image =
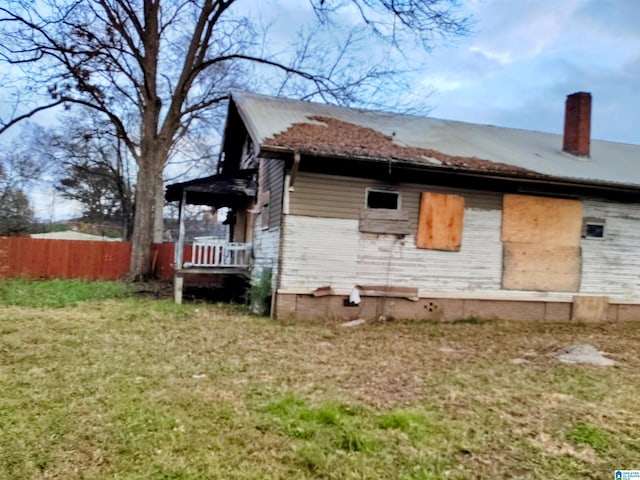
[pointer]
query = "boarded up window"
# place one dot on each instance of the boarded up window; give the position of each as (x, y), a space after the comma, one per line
(440, 221)
(541, 243)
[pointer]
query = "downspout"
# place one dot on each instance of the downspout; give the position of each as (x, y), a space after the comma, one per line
(294, 170)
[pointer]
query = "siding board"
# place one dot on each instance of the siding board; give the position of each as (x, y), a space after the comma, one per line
(266, 241)
(332, 196)
(322, 251)
(322, 245)
(611, 265)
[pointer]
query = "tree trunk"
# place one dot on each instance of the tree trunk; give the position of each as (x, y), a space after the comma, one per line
(158, 209)
(143, 220)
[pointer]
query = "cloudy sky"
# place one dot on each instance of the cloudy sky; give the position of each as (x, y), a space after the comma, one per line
(525, 56)
(517, 66)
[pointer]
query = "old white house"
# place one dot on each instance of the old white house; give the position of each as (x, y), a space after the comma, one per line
(361, 214)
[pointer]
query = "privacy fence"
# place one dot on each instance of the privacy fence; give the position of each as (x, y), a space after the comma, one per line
(37, 258)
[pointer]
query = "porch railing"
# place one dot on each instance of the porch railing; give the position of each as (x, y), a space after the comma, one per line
(215, 252)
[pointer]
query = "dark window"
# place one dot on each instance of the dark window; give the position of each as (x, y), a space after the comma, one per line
(383, 199)
(593, 228)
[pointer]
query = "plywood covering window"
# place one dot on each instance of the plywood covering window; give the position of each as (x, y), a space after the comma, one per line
(440, 221)
(541, 240)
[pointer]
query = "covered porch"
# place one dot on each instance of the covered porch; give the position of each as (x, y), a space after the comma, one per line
(212, 255)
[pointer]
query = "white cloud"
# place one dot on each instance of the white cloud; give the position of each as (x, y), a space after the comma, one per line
(526, 56)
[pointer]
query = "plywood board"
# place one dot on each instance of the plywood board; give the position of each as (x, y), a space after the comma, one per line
(548, 221)
(546, 268)
(440, 222)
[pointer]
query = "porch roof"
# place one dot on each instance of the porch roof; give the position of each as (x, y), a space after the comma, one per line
(220, 190)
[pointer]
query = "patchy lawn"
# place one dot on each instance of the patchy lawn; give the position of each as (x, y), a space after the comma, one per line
(135, 388)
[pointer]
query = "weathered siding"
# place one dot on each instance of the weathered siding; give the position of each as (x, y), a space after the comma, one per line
(611, 265)
(266, 241)
(322, 251)
(322, 245)
(273, 181)
(331, 196)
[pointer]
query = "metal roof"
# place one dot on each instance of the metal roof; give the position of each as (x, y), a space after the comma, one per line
(268, 119)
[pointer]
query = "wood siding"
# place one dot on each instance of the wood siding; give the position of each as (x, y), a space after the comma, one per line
(272, 181)
(611, 265)
(331, 196)
(322, 245)
(323, 251)
(266, 241)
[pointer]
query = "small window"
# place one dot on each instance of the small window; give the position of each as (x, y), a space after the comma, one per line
(383, 199)
(593, 228)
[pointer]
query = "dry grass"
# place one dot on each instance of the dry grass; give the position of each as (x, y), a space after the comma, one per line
(146, 389)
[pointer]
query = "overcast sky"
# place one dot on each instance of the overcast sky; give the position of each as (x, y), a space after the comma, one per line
(527, 55)
(519, 63)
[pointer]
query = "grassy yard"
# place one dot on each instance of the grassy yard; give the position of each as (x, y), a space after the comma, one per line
(134, 388)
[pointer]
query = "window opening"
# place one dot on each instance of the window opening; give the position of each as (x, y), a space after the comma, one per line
(593, 228)
(383, 199)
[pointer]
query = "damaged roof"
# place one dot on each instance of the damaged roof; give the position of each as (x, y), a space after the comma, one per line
(278, 124)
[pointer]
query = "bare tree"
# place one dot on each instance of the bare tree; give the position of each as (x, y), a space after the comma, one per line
(90, 165)
(156, 69)
(18, 170)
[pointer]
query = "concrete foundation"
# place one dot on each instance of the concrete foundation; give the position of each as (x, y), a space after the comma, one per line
(334, 308)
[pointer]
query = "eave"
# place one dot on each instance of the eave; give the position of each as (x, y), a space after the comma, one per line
(405, 170)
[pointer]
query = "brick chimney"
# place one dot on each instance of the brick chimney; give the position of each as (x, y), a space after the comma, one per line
(577, 124)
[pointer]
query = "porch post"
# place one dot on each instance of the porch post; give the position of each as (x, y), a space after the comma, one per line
(179, 253)
(178, 279)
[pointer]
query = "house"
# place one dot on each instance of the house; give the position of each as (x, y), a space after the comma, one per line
(364, 214)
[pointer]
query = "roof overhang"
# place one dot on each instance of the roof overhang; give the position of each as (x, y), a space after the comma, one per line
(343, 137)
(216, 191)
(411, 171)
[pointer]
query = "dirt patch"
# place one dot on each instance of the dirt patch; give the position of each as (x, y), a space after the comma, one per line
(584, 353)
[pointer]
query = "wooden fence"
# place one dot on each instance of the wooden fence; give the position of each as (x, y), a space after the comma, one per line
(38, 258)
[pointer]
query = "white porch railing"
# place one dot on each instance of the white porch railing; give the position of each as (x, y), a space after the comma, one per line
(214, 252)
